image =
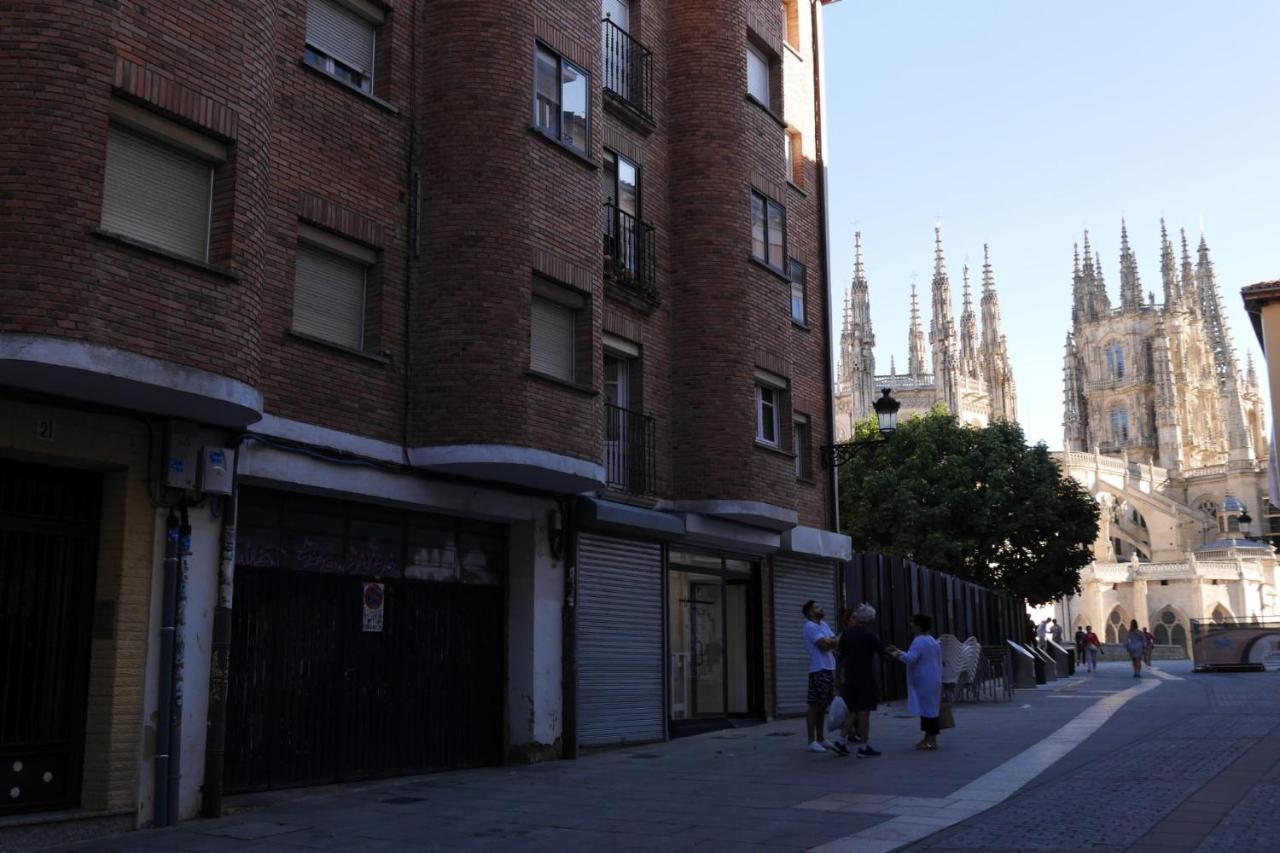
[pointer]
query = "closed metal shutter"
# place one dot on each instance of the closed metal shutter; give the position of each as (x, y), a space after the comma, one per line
(794, 583)
(157, 194)
(328, 297)
(340, 33)
(551, 343)
(620, 665)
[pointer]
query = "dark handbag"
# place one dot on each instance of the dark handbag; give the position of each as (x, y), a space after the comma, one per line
(946, 719)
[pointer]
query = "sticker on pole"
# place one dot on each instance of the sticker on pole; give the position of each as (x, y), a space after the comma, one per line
(375, 596)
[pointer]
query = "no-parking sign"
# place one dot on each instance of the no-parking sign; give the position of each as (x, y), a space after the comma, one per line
(375, 596)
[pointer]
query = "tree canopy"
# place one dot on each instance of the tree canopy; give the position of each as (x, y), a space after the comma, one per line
(975, 502)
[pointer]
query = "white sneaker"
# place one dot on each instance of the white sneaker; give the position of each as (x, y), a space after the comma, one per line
(826, 744)
(816, 747)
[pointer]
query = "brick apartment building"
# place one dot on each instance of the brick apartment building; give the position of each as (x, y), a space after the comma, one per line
(399, 385)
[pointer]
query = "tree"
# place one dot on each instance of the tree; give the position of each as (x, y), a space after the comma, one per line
(977, 503)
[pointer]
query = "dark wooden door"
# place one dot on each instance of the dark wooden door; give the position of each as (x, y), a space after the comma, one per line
(314, 698)
(48, 566)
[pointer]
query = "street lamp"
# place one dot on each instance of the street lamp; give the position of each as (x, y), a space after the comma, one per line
(886, 409)
(887, 412)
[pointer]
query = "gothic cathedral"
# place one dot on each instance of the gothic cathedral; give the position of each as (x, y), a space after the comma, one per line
(966, 371)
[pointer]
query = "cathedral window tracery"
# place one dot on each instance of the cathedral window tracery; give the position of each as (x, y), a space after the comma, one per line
(1119, 424)
(1115, 361)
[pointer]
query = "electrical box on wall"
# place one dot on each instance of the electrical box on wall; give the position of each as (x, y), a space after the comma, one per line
(217, 465)
(181, 456)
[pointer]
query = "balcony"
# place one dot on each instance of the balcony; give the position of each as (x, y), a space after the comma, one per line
(629, 255)
(628, 74)
(629, 459)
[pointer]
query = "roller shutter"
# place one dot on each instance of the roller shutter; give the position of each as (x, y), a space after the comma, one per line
(619, 642)
(794, 583)
(328, 297)
(157, 194)
(339, 32)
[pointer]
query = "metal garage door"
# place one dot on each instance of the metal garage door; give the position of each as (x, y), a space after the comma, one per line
(794, 583)
(620, 665)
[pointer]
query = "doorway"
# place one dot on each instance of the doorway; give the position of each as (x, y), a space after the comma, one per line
(714, 662)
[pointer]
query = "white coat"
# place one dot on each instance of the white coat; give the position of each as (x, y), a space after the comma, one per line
(924, 676)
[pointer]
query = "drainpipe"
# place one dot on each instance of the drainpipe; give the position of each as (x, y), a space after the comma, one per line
(168, 608)
(215, 747)
(824, 249)
(569, 632)
(179, 654)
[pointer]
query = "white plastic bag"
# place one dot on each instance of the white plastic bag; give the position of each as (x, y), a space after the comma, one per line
(836, 714)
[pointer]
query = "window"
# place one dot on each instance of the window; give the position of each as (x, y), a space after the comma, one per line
(330, 278)
(797, 274)
(341, 35)
(767, 404)
(793, 157)
(551, 344)
(768, 227)
(157, 193)
(1119, 424)
(560, 104)
(1115, 361)
(801, 446)
(623, 237)
(759, 82)
(791, 18)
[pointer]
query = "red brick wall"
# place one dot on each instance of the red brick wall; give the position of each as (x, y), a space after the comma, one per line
(500, 204)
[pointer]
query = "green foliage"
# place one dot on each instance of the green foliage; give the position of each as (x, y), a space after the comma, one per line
(978, 503)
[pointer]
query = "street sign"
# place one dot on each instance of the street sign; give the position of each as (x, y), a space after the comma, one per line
(375, 596)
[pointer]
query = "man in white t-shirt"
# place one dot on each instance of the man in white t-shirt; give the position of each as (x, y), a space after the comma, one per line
(819, 640)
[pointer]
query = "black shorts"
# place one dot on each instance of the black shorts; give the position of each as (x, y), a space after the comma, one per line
(822, 687)
(859, 695)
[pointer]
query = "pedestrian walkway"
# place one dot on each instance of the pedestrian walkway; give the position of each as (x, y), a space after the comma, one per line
(737, 790)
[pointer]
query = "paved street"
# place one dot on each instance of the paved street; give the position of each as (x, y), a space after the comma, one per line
(1177, 762)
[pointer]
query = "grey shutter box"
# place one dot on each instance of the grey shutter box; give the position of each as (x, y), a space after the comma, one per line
(551, 339)
(328, 297)
(621, 670)
(341, 33)
(156, 194)
(794, 583)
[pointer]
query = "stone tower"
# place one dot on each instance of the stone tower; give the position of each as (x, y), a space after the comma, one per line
(855, 379)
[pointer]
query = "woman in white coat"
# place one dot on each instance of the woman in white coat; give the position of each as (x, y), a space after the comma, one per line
(924, 679)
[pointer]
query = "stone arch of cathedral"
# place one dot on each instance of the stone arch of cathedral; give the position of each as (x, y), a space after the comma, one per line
(1171, 627)
(1221, 615)
(1117, 625)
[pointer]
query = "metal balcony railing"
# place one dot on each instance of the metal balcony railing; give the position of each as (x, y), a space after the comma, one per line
(628, 252)
(630, 462)
(628, 68)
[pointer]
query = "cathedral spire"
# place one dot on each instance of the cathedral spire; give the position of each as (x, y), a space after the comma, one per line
(1169, 272)
(915, 339)
(1211, 309)
(857, 339)
(1130, 284)
(1075, 421)
(969, 331)
(942, 331)
(1190, 293)
(994, 352)
(1250, 374)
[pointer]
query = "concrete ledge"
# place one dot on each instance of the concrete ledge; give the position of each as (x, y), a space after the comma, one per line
(754, 513)
(521, 466)
(710, 532)
(127, 380)
(816, 542)
(612, 517)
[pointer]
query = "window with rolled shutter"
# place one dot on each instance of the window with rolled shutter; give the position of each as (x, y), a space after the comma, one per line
(156, 194)
(341, 34)
(328, 297)
(551, 339)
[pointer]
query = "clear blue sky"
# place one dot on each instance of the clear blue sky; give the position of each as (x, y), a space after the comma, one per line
(1021, 123)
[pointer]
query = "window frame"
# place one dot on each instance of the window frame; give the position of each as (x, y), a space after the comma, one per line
(791, 24)
(754, 50)
(558, 136)
(802, 445)
(803, 283)
(316, 239)
(768, 202)
(131, 120)
(1120, 414)
(327, 64)
(1114, 356)
(775, 405)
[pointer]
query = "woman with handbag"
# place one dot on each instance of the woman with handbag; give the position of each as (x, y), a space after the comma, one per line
(924, 679)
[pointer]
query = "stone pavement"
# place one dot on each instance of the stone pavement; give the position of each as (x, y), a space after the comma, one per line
(1091, 762)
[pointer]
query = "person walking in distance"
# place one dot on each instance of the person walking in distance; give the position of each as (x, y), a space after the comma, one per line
(819, 640)
(1091, 647)
(924, 678)
(859, 648)
(1136, 645)
(1150, 646)
(1079, 646)
(1055, 631)
(1041, 630)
